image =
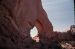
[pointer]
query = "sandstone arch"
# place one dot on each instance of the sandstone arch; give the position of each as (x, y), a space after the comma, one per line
(17, 18)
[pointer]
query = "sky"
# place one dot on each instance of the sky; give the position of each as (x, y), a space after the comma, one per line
(33, 32)
(60, 13)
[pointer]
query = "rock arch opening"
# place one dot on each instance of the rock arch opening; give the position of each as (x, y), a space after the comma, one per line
(34, 34)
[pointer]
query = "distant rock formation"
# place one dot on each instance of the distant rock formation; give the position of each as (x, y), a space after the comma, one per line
(17, 18)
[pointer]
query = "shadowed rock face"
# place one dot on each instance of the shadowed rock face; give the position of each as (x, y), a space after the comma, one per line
(17, 18)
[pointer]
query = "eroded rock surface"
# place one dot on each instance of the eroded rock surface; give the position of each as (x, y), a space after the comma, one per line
(17, 18)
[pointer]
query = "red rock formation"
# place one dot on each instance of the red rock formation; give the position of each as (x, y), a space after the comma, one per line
(17, 18)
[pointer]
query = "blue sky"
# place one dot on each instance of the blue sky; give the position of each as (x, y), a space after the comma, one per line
(60, 13)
